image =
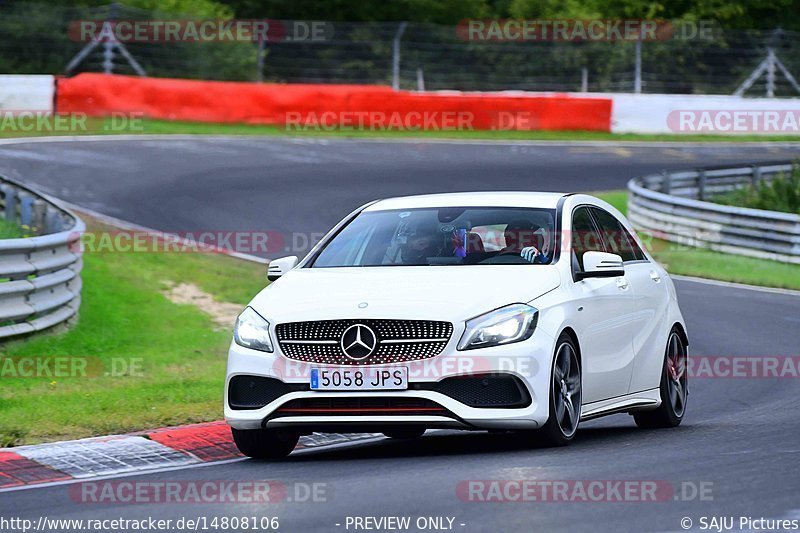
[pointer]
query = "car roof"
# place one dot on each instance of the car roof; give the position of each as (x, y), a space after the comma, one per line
(542, 200)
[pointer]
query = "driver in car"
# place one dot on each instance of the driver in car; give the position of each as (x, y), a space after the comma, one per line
(526, 239)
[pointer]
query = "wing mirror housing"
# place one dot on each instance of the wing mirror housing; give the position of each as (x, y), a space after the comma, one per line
(279, 267)
(601, 265)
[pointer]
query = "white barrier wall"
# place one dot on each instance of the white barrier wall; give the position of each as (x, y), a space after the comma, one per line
(26, 93)
(691, 114)
(705, 114)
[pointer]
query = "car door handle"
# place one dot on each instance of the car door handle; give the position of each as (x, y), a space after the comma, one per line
(622, 284)
(654, 276)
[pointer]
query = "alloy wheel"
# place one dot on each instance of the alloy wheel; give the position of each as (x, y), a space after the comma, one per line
(676, 374)
(567, 389)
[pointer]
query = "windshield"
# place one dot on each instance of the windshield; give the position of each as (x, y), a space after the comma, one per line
(443, 236)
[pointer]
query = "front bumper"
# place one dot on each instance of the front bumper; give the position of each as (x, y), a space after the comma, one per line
(529, 362)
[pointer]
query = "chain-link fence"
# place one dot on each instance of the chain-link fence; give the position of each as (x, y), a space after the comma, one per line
(37, 38)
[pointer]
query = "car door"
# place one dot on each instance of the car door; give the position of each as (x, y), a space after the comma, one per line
(603, 322)
(651, 298)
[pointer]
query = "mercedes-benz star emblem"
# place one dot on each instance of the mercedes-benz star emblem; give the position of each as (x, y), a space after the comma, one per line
(358, 342)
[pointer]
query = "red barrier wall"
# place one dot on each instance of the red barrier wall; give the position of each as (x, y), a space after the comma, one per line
(301, 107)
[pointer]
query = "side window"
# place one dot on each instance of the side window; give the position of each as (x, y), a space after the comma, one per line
(636, 250)
(584, 236)
(615, 237)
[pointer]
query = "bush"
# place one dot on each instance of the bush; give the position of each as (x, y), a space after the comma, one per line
(781, 193)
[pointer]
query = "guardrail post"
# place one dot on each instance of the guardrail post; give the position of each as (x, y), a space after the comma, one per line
(701, 185)
(756, 175)
(25, 209)
(10, 194)
(38, 217)
(53, 222)
(666, 182)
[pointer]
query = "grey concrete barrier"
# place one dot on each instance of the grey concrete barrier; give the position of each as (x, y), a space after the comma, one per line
(40, 283)
(673, 206)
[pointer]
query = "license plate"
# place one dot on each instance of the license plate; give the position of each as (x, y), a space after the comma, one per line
(372, 378)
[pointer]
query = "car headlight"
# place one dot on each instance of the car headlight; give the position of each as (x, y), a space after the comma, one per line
(513, 323)
(252, 331)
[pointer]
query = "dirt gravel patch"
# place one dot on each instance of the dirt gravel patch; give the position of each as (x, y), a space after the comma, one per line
(222, 313)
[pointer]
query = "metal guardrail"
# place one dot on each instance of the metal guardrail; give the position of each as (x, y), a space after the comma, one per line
(672, 206)
(40, 284)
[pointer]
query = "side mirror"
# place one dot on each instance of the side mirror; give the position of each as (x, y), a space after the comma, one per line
(601, 265)
(279, 267)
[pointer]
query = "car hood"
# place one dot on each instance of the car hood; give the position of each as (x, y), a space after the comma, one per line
(453, 293)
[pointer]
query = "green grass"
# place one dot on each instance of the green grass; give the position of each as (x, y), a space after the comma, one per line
(704, 263)
(9, 230)
(124, 315)
(151, 126)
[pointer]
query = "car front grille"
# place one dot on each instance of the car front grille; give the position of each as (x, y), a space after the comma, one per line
(396, 341)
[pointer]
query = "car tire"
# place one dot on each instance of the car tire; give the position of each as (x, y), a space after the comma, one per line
(265, 443)
(565, 395)
(673, 388)
(405, 433)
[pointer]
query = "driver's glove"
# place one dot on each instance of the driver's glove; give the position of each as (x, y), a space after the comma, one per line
(529, 253)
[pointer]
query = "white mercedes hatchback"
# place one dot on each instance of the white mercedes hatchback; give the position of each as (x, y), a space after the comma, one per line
(493, 311)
